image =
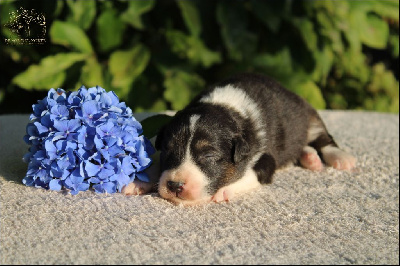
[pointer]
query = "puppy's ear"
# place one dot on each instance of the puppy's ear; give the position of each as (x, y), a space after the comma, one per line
(240, 149)
(159, 139)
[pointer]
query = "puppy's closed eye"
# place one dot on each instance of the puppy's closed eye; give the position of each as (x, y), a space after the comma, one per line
(209, 157)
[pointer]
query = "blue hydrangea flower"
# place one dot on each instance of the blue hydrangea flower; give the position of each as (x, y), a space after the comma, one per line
(85, 139)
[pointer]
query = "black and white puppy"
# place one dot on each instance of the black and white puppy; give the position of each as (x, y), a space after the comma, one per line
(231, 139)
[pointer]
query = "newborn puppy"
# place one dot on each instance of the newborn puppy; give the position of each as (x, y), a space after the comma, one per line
(232, 137)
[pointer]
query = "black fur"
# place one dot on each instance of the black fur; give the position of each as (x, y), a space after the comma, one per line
(265, 168)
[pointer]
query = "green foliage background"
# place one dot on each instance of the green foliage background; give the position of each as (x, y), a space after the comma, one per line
(158, 55)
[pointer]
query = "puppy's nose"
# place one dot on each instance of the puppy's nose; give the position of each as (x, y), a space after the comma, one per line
(175, 186)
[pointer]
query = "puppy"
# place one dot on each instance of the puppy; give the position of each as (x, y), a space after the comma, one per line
(232, 137)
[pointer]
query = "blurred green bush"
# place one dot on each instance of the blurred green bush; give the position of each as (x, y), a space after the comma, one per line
(158, 55)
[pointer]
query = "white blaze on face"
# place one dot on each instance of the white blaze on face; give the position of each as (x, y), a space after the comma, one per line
(188, 173)
(239, 101)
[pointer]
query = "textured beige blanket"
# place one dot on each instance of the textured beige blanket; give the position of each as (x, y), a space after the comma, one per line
(330, 217)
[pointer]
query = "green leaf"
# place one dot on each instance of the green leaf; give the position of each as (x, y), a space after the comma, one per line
(383, 81)
(70, 35)
(59, 5)
(135, 11)
(50, 73)
(278, 65)
(324, 61)
(126, 66)
(192, 47)
(190, 17)
(110, 30)
(337, 101)
(352, 34)
(307, 32)
(240, 42)
(270, 13)
(92, 74)
(181, 87)
(394, 45)
(152, 125)
(6, 10)
(386, 8)
(374, 32)
(82, 13)
(329, 30)
(309, 91)
(353, 64)
(146, 93)
(366, 28)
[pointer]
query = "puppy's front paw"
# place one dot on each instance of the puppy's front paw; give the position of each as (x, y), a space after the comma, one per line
(137, 187)
(223, 194)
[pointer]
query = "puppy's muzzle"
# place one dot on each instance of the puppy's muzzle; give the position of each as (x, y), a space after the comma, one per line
(186, 184)
(176, 187)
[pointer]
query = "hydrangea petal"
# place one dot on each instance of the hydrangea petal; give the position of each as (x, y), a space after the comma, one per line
(121, 178)
(51, 149)
(92, 169)
(103, 187)
(61, 126)
(106, 172)
(59, 111)
(41, 129)
(126, 166)
(28, 181)
(106, 99)
(55, 184)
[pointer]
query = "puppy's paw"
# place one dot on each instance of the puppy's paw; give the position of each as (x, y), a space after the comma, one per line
(309, 159)
(338, 159)
(223, 194)
(137, 187)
